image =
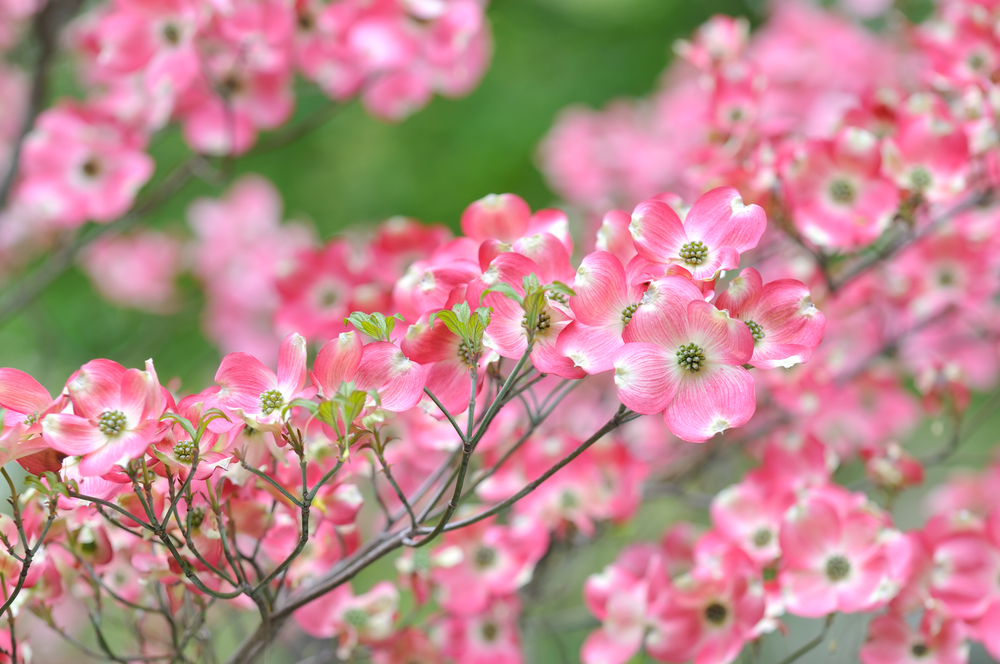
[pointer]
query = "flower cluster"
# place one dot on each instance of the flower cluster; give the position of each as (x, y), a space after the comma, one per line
(222, 71)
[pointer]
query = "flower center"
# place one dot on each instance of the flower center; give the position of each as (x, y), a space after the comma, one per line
(919, 650)
(355, 617)
(842, 191)
(485, 556)
(306, 21)
(837, 568)
(543, 323)
(271, 401)
(756, 330)
(715, 613)
(691, 357)
(31, 418)
(184, 451)
(920, 179)
(468, 355)
(762, 538)
(628, 312)
(91, 168)
(197, 516)
(231, 84)
(490, 631)
(111, 422)
(694, 253)
(171, 34)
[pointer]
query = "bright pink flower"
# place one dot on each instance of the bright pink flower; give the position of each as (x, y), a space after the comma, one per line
(255, 394)
(352, 619)
(80, 165)
(928, 155)
(620, 598)
(489, 637)
(477, 565)
(710, 613)
(717, 229)
(785, 324)
(836, 197)
(833, 554)
(379, 366)
(606, 298)
(749, 515)
(176, 451)
(116, 416)
(891, 640)
(684, 357)
(507, 334)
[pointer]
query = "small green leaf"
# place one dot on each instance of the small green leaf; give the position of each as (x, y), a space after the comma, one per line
(507, 291)
(183, 421)
(561, 288)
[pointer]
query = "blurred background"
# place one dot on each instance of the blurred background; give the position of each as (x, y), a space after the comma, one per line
(355, 171)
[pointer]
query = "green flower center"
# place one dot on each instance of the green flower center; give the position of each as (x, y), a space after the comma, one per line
(171, 34)
(112, 422)
(715, 613)
(762, 538)
(31, 419)
(355, 617)
(691, 357)
(485, 556)
(842, 191)
(919, 650)
(271, 401)
(184, 451)
(694, 253)
(837, 568)
(756, 330)
(628, 312)
(557, 297)
(490, 631)
(197, 516)
(920, 179)
(543, 322)
(91, 168)
(469, 355)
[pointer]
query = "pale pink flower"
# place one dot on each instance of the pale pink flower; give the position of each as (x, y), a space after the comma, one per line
(137, 270)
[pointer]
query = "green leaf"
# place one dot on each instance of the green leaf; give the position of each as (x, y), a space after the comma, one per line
(183, 421)
(507, 291)
(375, 325)
(561, 288)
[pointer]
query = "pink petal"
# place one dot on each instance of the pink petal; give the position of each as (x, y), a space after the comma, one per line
(657, 231)
(400, 382)
(808, 593)
(720, 219)
(718, 259)
(590, 348)
(742, 292)
(21, 393)
(71, 434)
(451, 383)
(505, 333)
(137, 393)
(989, 630)
(502, 217)
(125, 446)
(663, 315)
(96, 387)
(786, 314)
(549, 254)
(725, 340)
(717, 398)
(243, 379)
(810, 532)
(292, 365)
(425, 344)
(546, 358)
(601, 290)
(611, 647)
(641, 376)
(767, 355)
(337, 362)
(554, 222)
